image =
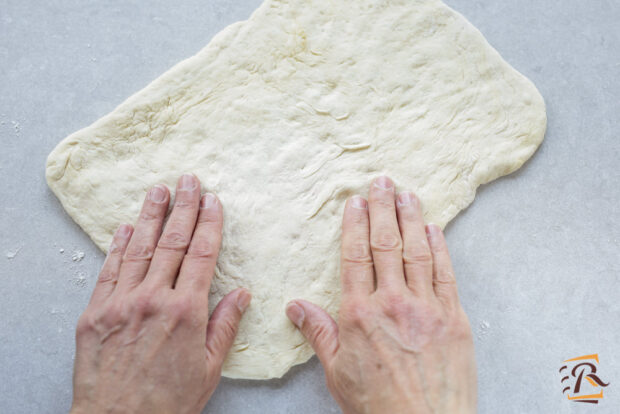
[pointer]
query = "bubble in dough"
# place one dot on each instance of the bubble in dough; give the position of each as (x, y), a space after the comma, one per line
(286, 115)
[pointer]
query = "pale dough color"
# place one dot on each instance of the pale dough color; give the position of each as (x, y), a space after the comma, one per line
(286, 115)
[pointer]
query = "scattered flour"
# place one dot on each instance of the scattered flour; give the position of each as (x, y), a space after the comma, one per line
(77, 256)
(79, 279)
(12, 253)
(16, 126)
(483, 328)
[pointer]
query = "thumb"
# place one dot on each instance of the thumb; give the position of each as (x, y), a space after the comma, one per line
(223, 324)
(317, 326)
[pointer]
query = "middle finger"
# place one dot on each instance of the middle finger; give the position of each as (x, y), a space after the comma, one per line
(177, 234)
(385, 241)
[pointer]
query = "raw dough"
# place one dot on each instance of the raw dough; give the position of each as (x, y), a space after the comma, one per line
(286, 115)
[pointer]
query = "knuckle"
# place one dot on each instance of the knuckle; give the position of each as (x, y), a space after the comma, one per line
(148, 216)
(386, 242)
(145, 303)
(431, 320)
(174, 240)
(320, 334)
(139, 253)
(398, 305)
(202, 247)
(110, 316)
(417, 256)
(227, 330)
(229, 327)
(445, 277)
(359, 218)
(436, 323)
(383, 202)
(85, 325)
(355, 311)
(356, 253)
(107, 276)
(114, 314)
(440, 248)
(182, 204)
(210, 216)
(182, 309)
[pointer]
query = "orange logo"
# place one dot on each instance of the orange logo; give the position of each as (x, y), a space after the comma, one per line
(580, 380)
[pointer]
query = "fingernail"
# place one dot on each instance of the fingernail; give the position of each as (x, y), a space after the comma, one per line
(208, 201)
(384, 183)
(405, 199)
(432, 230)
(359, 202)
(188, 182)
(243, 300)
(296, 314)
(157, 194)
(124, 230)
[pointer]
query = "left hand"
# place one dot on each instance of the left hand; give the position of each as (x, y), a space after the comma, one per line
(145, 342)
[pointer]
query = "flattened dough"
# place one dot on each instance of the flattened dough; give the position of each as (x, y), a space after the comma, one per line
(286, 115)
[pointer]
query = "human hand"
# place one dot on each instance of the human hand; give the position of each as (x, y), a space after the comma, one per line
(141, 343)
(403, 343)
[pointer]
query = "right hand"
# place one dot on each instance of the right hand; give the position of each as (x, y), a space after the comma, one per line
(403, 343)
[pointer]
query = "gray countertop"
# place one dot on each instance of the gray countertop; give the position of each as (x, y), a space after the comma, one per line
(536, 254)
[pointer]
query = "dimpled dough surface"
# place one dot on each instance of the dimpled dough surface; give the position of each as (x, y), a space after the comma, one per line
(286, 115)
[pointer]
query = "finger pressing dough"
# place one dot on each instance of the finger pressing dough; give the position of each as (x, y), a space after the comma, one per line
(286, 115)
